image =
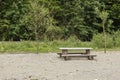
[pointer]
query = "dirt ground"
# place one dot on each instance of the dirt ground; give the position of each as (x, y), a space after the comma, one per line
(51, 67)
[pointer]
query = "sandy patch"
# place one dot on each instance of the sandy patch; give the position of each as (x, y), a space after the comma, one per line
(51, 67)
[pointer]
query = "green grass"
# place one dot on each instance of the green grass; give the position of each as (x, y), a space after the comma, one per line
(45, 47)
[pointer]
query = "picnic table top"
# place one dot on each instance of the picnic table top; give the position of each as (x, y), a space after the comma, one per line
(75, 48)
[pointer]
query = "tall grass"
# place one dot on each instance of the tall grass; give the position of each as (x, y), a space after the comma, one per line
(113, 42)
(98, 41)
(22, 46)
(116, 39)
(49, 46)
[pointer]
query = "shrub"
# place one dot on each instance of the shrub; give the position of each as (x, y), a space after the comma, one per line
(98, 41)
(116, 39)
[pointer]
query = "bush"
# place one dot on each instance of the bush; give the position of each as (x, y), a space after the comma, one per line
(116, 39)
(98, 41)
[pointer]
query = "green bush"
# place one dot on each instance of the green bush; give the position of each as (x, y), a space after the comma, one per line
(113, 42)
(109, 40)
(116, 39)
(98, 41)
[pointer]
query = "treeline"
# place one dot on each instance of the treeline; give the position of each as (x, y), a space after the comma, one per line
(56, 19)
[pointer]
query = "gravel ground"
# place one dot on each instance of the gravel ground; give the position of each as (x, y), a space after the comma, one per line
(51, 67)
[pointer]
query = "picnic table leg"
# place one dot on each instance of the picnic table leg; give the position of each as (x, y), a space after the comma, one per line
(90, 57)
(87, 51)
(60, 55)
(65, 52)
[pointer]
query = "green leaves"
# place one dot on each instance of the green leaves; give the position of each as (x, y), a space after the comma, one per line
(57, 19)
(104, 15)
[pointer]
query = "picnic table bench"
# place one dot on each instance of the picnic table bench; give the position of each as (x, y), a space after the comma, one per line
(65, 54)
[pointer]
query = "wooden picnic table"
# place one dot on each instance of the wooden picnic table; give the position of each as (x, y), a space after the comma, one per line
(66, 54)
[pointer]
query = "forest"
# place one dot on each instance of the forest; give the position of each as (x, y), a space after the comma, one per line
(58, 19)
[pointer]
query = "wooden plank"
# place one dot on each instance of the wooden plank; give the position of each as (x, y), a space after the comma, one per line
(90, 57)
(76, 55)
(72, 53)
(75, 48)
(60, 54)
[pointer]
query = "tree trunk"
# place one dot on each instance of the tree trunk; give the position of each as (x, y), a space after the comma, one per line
(36, 38)
(104, 32)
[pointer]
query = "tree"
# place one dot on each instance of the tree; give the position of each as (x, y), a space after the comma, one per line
(113, 7)
(14, 20)
(56, 19)
(38, 15)
(103, 16)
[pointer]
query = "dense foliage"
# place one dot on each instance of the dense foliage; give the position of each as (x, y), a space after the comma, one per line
(56, 19)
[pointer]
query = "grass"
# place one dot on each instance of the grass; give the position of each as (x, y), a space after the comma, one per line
(44, 47)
